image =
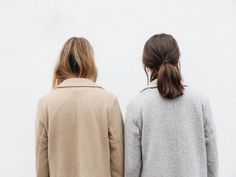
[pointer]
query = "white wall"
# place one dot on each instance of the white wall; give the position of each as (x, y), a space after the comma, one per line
(32, 34)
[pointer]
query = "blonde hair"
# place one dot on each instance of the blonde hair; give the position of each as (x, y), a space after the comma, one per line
(76, 60)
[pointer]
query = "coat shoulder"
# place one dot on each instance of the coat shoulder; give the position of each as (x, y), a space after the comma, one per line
(44, 99)
(195, 94)
(191, 95)
(55, 95)
(135, 104)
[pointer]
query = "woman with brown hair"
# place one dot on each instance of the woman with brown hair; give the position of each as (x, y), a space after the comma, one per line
(169, 130)
(79, 126)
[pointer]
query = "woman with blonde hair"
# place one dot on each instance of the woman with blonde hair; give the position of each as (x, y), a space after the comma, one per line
(79, 126)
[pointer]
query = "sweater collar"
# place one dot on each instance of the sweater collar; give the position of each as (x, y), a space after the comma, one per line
(77, 82)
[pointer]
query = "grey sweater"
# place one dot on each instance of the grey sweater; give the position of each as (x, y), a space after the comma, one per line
(170, 138)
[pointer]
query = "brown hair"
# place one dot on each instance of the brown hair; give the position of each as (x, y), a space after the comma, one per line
(76, 60)
(161, 55)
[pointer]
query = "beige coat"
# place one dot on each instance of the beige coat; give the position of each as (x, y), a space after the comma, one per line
(79, 132)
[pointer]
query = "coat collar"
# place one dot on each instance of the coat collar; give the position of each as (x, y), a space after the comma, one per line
(77, 82)
(151, 85)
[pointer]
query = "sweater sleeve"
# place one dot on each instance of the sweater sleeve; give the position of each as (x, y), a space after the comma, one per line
(133, 151)
(42, 168)
(210, 142)
(115, 132)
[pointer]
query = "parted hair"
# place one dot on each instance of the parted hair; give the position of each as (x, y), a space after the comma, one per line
(76, 60)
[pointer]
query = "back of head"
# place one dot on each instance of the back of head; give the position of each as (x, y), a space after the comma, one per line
(76, 60)
(161, 55)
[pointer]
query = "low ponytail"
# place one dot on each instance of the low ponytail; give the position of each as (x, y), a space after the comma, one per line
(161, 55)
(169, 81)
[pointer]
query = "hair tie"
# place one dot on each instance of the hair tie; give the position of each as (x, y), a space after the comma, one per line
(165, 62)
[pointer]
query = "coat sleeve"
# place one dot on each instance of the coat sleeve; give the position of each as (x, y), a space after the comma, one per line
(133, 150)
(42, 168)
(116, 140)
(210, 142)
